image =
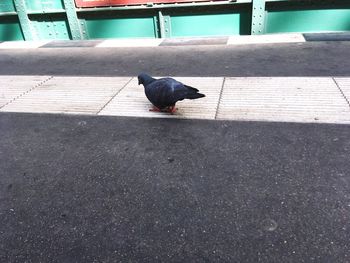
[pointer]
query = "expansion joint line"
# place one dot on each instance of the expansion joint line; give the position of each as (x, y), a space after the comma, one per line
(219, 100)
(27, 91)
(104, 106)
(341, 91)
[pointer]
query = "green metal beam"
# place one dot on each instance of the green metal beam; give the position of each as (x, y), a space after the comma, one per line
(163, 6)
(28, 32)
(164, 25)
(75, 27)
(258, 17)
(167, 26)
(8, 14)
(161, 24)
(156, 25)
(46, 11)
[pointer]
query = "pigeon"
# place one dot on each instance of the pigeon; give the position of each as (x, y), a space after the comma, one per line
(163, 93)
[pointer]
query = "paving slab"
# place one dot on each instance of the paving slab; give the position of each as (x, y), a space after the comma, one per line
(23, 44)
(137, 42)
(131, 101)
(340, 36)
(115, 189)
(72, 43)
(266, 39)
(290, 99)
(194, 41)
(83, 95)
(344, 85)
(283, 99)
(12, 87)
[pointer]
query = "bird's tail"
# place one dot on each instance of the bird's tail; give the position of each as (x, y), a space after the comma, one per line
(191, 88)
(195, 96)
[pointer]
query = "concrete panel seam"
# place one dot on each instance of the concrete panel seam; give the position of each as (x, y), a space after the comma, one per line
(342, 92)
(220, 96)
(116, 94)
(27, 91)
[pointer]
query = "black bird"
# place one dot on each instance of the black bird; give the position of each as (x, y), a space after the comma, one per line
(165, 92)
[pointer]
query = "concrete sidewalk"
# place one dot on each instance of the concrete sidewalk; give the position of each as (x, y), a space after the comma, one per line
(181, 41)
(292, 99)
(115, 189)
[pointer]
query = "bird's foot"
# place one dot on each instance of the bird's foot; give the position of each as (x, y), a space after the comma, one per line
(155, 109)
(172, 109)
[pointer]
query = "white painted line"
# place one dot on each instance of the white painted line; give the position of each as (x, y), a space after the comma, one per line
(265, 39)
(283, 99)
(131, 101)
(23, 44)
(12, 87)
(83, 95)
(136, 42)
(344, 84)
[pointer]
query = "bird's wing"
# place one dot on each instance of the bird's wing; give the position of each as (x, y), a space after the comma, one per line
(167, 91)
(180, 91)
(161, 92)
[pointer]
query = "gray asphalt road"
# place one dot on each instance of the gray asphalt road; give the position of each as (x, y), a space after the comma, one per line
(297, 59)
(105, 189)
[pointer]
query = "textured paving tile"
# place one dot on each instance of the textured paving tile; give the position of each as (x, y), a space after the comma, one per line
(341, 36)
(194, 41)
(72, 43)
(12, 87)
(137, 42)
(83, 95)
(283, 99)
(262, 99)
(131, 101)
(344, 84)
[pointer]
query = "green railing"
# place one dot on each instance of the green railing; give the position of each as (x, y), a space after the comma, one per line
(60, 19)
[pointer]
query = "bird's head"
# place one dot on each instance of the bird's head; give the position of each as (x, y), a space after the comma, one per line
(144, 79)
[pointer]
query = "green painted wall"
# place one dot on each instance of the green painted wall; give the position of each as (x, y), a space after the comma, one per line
(308, 21)
(210, 24)
(37, 5)
(120, 27)
(50, 27)
(10, 29)
(47, 19)
(6, 6)
(311, 20)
